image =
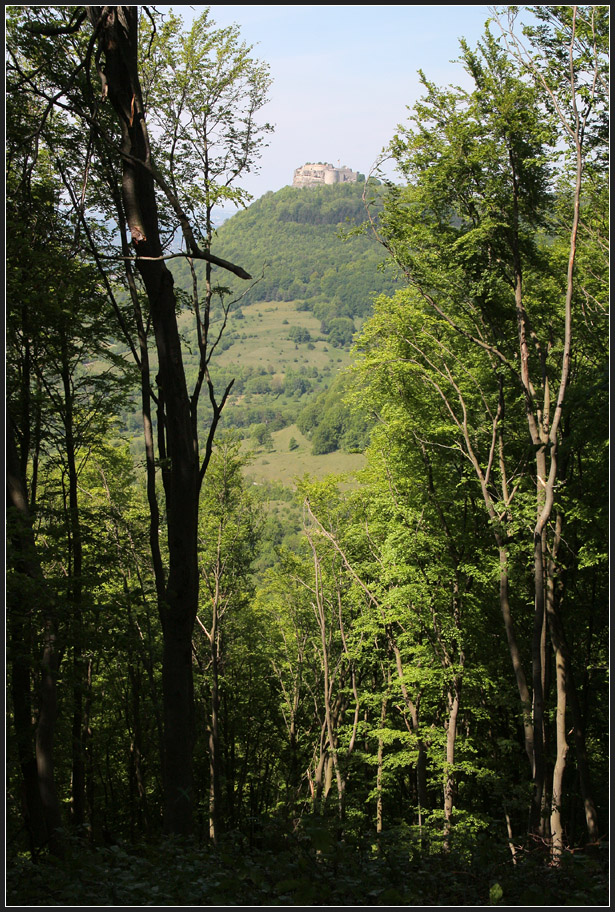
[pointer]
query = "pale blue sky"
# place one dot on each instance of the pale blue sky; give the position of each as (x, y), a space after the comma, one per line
(343, 75)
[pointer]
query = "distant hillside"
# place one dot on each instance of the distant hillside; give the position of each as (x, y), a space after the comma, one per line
(292, 242)
(288, 338)
(287, 343)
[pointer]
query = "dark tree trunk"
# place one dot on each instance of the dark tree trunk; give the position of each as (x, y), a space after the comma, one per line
(117, 30)
(20, 664)
(139, 812)
(35, 748)
(45, 731)
(75, 562)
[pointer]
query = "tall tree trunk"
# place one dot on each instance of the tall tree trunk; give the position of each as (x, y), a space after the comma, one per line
(561, 748)
(380, 758)
(45, 732)
(317, 784)
(449, 768)
(20, 662)
(178, 716)
(87, 749)
(513, 648)
(569, 696)
(118, 35)
(421, 763)
(293, 780)
(42, 804)
(136, 752)
(587, 794)
(75, 563)
(330, 720)
(557, 828)
(214, 740)
(538, 794)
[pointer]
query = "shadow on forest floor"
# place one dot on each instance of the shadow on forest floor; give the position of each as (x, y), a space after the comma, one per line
(315, 869)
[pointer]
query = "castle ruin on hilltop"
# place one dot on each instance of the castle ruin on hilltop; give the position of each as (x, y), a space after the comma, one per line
(313, 175)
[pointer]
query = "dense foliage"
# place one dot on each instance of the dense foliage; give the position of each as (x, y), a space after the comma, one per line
(330, 422)
(384, 689)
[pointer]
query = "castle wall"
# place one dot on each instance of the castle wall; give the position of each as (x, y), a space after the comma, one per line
(312, 175)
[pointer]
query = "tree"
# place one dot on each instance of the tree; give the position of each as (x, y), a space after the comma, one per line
(59, 404)
(128, 183)
(261, 434)
(183, 473)
(27, 582)
(485, 328)
(569, 64)
(227, 541)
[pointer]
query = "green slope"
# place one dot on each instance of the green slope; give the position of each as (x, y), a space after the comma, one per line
(289, 334)
(291, 243)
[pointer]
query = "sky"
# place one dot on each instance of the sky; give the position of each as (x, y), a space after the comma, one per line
(343, 76)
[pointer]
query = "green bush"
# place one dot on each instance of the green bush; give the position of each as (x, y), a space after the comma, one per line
(299, 334)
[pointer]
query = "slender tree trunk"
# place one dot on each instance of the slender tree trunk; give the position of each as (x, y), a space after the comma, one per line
(136, 753)
(537, 689)
(87, 748)
(380, 758)
(319, 772)
(143, 647)
(42, 804)
(557, 794)
(421, 764)
(78, 759)
(19, 628)
(511, 842)
(587, 794)
(561, 749)
(565, 680)
(294, 774)
(332, 765)
(524, 693)
(76, 567)
(45, 731)
(449, 769)
(214, 740)
(20, 664)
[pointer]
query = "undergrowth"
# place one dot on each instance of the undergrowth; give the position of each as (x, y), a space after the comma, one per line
(308, 868)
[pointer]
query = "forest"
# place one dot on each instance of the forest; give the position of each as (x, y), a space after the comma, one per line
(383, 684)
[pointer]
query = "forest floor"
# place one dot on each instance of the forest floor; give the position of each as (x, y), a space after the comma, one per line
(314, 869)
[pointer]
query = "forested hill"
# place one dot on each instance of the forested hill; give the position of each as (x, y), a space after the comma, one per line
(315, 277)
(292, 242)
